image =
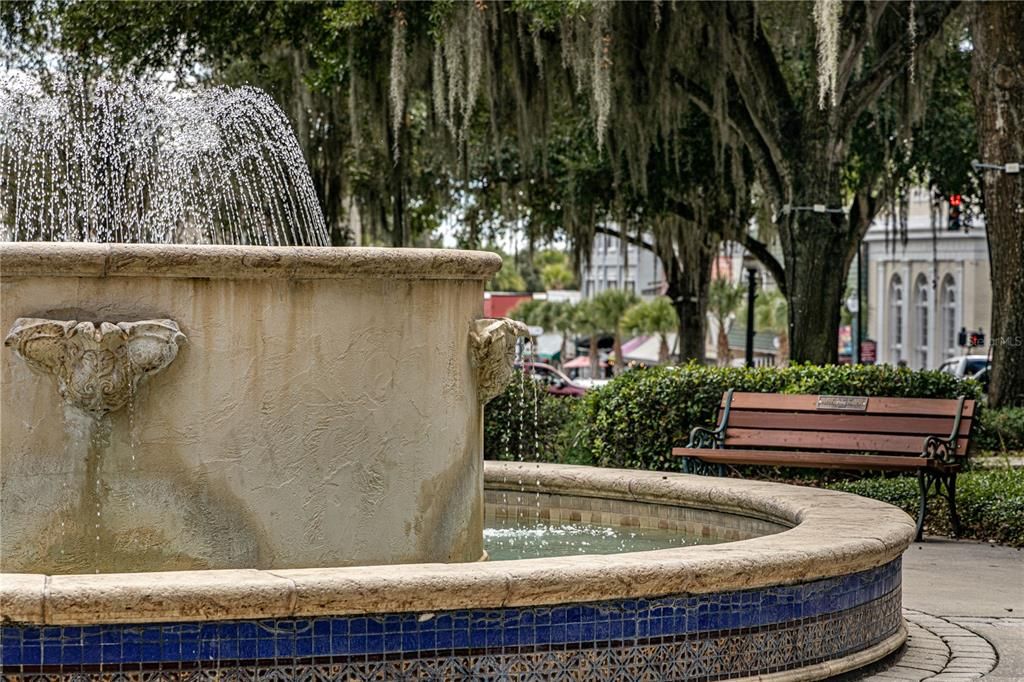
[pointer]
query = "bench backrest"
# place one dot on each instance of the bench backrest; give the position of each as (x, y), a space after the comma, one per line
(857, 424)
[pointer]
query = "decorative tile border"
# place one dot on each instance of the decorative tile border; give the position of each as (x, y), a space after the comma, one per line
(706, 637)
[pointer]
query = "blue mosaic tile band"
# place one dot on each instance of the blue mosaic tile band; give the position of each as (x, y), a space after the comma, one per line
(711, 636)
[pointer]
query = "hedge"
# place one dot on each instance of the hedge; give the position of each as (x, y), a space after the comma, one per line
(990, 503)
(1000, 429)
(527, 423)
(636, 420)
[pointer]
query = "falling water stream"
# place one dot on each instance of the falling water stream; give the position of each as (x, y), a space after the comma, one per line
(142, 161)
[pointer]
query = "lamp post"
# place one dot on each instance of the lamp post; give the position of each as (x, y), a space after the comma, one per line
(751, 295)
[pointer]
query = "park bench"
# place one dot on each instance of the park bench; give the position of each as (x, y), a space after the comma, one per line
(928, 437)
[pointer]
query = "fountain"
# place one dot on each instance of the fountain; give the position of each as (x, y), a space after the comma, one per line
(263, 461)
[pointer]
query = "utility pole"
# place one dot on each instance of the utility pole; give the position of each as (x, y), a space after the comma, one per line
(751, 295)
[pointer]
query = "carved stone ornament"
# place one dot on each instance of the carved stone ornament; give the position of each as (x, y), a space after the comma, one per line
(493, 349)
(97, 368)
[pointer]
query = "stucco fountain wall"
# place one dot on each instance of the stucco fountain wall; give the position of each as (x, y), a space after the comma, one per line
(322, 410)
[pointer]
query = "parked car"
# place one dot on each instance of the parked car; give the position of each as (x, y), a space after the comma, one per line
(983, 377)
(965, 365)
(557, 383)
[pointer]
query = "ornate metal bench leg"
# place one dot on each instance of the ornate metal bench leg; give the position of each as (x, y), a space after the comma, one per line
(951, 496)
(924, 484)
(721, 473)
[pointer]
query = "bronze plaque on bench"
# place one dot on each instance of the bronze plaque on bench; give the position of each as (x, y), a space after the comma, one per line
(842, 403)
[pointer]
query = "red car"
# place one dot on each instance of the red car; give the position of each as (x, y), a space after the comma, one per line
(557, 383)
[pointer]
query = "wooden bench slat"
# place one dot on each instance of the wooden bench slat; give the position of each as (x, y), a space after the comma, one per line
(828, 440)
(853, 423)
(923, 407)
(805, 459)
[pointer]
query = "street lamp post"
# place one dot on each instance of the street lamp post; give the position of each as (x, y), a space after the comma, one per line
(751, 295)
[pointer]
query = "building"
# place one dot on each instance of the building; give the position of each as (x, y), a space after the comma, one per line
(920, 294)
(632, 268)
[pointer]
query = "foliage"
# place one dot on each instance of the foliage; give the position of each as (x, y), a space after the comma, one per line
(508, 278)
(990, 503)
(527, 423)
(557, 276)
(656, 316)
(1000, 429)
(636, 420)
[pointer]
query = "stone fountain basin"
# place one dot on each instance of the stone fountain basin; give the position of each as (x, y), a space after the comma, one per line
(324, 410)
(832, 539)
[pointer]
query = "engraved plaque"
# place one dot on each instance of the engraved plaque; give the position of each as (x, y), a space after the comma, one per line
(842, 403)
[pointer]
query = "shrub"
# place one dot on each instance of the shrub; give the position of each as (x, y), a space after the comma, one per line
(636, 420)
(528, 423)
(1000, 429)
(990, 503)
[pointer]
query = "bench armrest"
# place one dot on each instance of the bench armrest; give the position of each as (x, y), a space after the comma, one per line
(945, 449)
(703, 437)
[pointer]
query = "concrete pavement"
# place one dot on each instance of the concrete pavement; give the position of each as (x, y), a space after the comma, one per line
(964, 605)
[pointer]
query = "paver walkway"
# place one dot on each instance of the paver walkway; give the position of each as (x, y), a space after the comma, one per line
(964, 605)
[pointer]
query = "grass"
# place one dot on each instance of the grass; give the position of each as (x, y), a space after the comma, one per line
(990, 503)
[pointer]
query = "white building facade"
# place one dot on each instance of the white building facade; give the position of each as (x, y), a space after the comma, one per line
(922, 293)
(632, 268)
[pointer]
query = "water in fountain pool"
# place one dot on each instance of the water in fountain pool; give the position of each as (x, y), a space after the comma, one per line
(509, 539)
(141, 161)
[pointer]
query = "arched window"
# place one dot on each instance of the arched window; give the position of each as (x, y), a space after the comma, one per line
(896, 319)
(922, 303)
(949, 316)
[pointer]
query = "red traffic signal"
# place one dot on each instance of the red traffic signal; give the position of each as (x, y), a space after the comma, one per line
(955, 200)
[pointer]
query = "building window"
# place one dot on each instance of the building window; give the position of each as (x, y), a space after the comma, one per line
(949, 316)
(630, 286)
(922, 303)
(612, 284)
(896, 319)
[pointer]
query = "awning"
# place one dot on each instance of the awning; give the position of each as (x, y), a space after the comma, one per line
(632, 344)
(648, 351)
(580, 362)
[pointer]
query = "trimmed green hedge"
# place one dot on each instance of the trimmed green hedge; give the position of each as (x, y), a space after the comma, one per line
(990, 503)
(1001, 430)
(636, 420)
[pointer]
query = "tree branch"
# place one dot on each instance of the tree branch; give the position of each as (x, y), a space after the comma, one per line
(635, 241)
(762, 87)
(741, 123)
(760, 251)
(865, 91)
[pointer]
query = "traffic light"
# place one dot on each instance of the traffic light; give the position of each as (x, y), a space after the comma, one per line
(977, 339)
(955, 223)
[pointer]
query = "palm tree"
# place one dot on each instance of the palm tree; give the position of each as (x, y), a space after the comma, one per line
(773, 316)
(657, 316)
(724, 301)
(563, 321)
(611, 305)
(587, 320)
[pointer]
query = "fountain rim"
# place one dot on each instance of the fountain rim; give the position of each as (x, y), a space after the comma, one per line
(832, 534)
(214, 261)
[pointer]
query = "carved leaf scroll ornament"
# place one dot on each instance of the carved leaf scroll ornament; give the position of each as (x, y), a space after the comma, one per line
(97, 368)
(493, 349)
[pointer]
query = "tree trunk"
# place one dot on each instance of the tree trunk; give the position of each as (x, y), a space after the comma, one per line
(998, 87)
(688, 292)
(818, 248)
(593, 356)
(617, 351)
(724, 353)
